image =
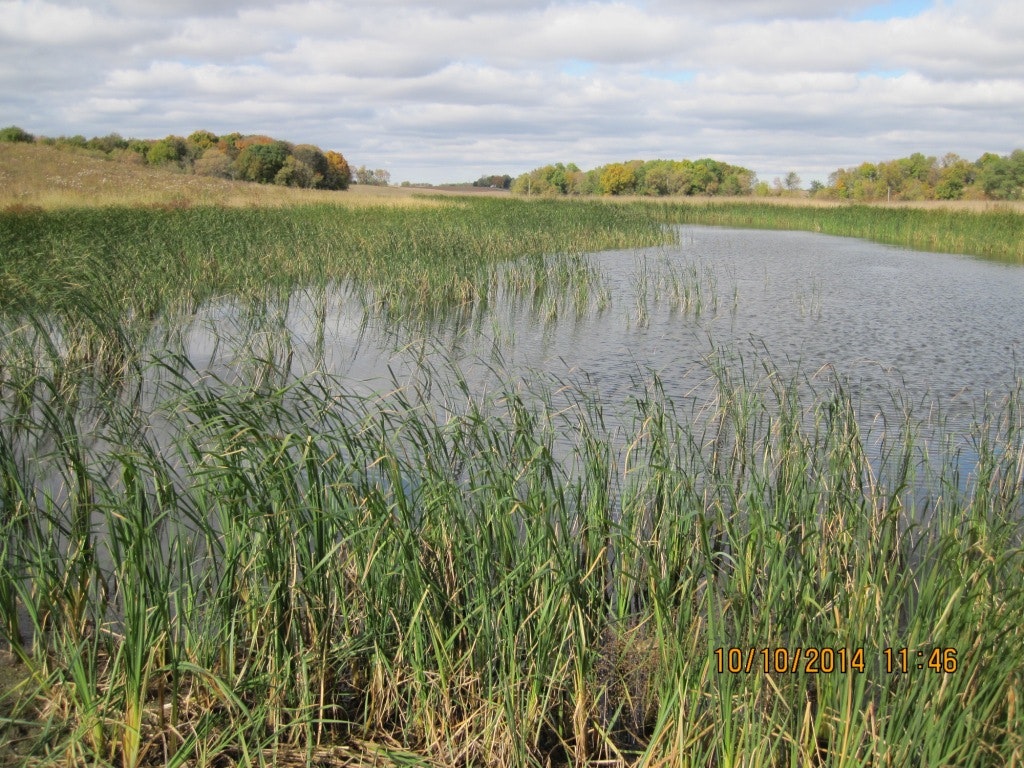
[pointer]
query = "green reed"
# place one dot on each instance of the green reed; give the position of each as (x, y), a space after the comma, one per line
(688, 288)
(269, 566)
(297, 568)
(145, 261)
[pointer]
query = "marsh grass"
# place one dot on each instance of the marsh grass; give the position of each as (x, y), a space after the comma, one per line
(412, 261)
(295, 570)
(268, 565)
(686, 288)
(993, 231)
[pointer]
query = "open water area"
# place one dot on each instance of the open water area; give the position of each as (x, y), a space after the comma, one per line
(928, 339)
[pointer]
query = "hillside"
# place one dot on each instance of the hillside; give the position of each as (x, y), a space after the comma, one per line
(47, 177)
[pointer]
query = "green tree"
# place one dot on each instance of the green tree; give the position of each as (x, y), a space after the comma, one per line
(293, 174)
(373, 177)
(560, 176)
(955, 175)
(839, 183)
(169, 150)
(539, 181)
(202, 140)
(702, 178)
(579, 182)
(15, 134)
(1002, 178)
(653, 178)
(260, 162)
(78, 141)
(198, 144)
(107, 144)
(737, 181)
(867, 188)
(919, 167)
(311, 165)
(680, 180)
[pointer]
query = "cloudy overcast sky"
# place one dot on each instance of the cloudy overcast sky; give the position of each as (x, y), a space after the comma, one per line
(449, 90)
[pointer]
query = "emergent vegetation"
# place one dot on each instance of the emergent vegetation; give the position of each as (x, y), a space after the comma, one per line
(265, 566)
(995, 233)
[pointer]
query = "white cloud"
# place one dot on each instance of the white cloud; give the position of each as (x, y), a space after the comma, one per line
(46, 24)
(447, 87)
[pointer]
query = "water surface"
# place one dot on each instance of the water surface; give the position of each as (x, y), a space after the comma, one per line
(934, 336)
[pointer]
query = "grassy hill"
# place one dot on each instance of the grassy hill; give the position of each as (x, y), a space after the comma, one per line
(35, 175)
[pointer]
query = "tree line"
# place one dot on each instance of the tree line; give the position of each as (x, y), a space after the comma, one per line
(495, 181)
(917, 177)
(639, 177)
(266, 160)
(255, 158)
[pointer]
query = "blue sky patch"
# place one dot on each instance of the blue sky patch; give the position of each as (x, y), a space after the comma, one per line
(887, 74)
(577, 67)
(894, 9)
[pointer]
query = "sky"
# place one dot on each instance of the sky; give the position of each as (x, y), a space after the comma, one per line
(450, 90)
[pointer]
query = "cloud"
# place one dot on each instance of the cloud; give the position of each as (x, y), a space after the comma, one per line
(445, 88)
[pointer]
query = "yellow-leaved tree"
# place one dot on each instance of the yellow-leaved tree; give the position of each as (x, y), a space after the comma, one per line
(338, 173)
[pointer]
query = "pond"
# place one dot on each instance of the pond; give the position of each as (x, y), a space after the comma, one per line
(944, 329)
(934, 334)
(925, 347)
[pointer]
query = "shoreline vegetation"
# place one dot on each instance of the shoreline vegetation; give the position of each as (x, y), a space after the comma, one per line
(266, 566)
(38, 178)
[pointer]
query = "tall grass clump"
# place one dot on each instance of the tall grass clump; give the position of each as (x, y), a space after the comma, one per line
(413, 260)
(688, 288)
(301, 572)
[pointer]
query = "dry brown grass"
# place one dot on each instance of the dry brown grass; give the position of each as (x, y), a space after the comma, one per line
(35, 175)
(822, 202)
(13, 675)
(978, 206)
